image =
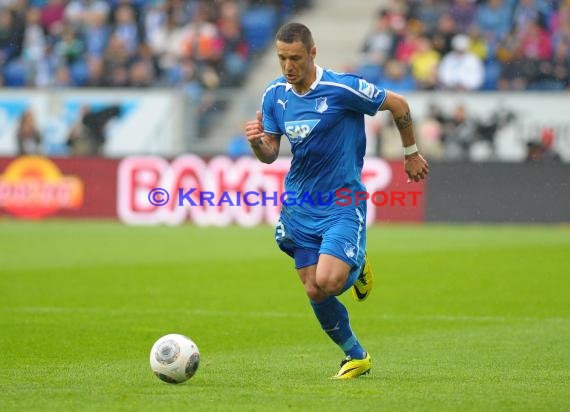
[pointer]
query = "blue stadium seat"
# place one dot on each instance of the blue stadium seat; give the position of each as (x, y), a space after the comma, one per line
(15, 74)
(492, 72)
(38, 3)
(79, 73)
(287, 8)
(372, 73)
(546, 85)
(259, 24)
(56, 149)
(136, 3)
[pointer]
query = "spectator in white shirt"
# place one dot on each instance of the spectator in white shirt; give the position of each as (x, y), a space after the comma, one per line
(460, 69)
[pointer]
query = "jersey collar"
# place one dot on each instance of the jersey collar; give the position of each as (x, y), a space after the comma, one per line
(313, 86)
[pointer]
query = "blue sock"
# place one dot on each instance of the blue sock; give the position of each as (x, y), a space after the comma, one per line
(333, 317)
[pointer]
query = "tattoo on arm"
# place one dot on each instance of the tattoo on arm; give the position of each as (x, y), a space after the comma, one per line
(404, 121)
(265, 150)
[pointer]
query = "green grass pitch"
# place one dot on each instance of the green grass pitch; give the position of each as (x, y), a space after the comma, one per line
(464, 318)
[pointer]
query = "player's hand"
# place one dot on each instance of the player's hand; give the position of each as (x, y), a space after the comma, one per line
(416, 166)
(254, 129)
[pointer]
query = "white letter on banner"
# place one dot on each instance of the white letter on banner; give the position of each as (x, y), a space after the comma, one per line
(188, 172)
(136, 177)
(234, 177)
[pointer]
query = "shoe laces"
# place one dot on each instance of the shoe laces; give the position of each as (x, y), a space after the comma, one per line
(349, 358)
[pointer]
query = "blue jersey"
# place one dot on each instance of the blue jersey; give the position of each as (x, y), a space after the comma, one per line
(325, 127)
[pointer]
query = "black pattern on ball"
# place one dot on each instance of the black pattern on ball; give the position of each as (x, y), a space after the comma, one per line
(165, 378)
(192, 365)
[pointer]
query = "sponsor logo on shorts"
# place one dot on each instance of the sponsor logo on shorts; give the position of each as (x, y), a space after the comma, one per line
(349, 250)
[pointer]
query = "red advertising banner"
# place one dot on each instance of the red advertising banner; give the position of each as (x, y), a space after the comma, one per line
(151, 190)
(35, 187)
(245, 191)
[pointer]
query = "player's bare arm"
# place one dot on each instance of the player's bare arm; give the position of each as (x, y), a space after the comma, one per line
(264, 146)
(416, 166)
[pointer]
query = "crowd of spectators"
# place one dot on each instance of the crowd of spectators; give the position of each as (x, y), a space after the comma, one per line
(469, 45)
(127, 43)
(198, 46)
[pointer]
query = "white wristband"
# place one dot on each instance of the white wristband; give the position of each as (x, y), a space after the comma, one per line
(410, 150)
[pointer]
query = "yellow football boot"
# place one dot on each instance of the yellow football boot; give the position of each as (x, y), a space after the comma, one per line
(363, 285)
(353, 368)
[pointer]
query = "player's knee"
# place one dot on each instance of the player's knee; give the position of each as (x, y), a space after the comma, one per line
(314, 292)
(331, 285)
(331, 274)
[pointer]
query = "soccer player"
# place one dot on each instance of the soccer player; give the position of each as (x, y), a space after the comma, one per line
(322, 114)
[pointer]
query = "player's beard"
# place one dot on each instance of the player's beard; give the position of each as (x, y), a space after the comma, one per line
(301, 79)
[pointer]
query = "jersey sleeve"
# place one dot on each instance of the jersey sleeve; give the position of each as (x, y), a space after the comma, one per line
(270, 125)
(363, 97)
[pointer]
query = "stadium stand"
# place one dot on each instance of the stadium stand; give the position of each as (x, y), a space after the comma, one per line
(216, 51)
(197, 45)
(137, 43)
(462, 46)
(97, 43)
(203, 48)
(519, 45)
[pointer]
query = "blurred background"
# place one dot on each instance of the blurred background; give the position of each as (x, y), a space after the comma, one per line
(103, 100)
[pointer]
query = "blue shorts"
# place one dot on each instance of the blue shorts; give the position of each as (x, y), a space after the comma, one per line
(342, 236)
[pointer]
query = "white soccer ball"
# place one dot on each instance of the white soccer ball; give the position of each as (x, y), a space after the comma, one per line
(174, 358)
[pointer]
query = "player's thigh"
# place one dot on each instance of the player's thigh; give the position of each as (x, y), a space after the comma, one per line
(307, 275)
(331, 274)
(345, 238)
(302, 244)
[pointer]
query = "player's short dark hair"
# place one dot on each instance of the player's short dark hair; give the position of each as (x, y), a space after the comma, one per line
(293, 32)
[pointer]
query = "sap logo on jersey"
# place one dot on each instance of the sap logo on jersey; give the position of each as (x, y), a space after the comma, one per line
(300, 129)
